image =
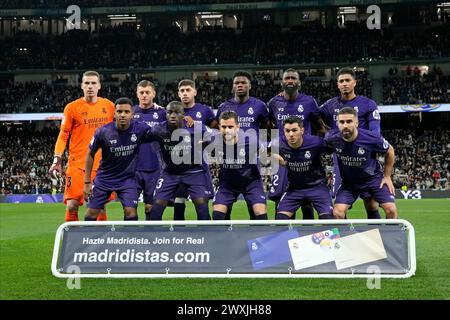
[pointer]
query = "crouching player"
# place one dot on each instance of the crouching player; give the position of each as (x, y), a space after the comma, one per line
(301, 155)
(239, 171)
(356, 152)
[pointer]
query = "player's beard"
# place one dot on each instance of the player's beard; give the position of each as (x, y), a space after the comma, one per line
(290, 89)
(347, 134)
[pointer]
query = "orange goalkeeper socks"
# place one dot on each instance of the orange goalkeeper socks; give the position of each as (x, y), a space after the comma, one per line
(71, 215)
(102, 217)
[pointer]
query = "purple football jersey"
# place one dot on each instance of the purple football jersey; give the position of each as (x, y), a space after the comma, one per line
(304, 164)
(147, 157)
(357, 159)
(201, 113)
(181, 151)
(119, 151)
(250, 113)
(368, 114)
(238, 162)
(304, 106)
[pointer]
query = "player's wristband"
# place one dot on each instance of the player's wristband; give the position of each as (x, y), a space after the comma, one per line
(87, 182)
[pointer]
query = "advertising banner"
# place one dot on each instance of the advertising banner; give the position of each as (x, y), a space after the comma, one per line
(235, 248)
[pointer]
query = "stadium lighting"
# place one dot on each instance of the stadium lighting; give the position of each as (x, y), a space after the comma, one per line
(210, 15)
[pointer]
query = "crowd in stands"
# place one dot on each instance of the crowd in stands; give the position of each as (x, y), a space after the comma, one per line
(14, 4)
(150, 46)
(25, 157)
(53, 96)
(416, 87)
(422, 159)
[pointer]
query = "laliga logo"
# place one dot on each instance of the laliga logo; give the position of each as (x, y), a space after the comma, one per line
(74, 20)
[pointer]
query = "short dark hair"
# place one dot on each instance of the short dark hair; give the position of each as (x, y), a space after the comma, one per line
(242, 73)
(292, 120)
(346, 71)
(226, 115)
(186, 82)
(146, 83)
(291, 70)
(348, 110)
(176, 104)
(123, 100)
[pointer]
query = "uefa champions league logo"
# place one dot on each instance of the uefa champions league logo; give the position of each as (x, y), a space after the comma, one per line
(133, 138)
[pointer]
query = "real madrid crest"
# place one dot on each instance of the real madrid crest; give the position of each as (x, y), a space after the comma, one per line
(250, 110)
(198, 115)
(242, 152)
(300, 108)
(361, 151)
(187, 139)
(307, 154)
(155, 115)
(133, 138)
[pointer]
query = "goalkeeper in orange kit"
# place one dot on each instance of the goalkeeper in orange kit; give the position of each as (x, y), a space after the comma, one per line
(81, 118)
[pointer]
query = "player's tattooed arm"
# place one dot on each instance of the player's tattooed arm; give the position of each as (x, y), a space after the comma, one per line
(87, 175)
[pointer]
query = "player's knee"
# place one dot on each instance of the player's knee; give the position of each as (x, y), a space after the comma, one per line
(161, 202)
(72, 206)
(148, 208)
(370, 204)
(339, 213)
(130, 212)
(92, 213)
(390, 210)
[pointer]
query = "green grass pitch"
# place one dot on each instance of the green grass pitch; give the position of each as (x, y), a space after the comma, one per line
(27, 234)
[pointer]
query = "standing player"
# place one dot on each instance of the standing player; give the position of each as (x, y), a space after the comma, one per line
(252, 112)
(148, 167)
(301, 155)
(281, 107)
(201, 114)
(182, 157)
(239, 172)
(368, 118)
(361, 173)
(119, 142)
(81, 118)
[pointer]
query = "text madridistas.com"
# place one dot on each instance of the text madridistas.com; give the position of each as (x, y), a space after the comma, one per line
(137, 256)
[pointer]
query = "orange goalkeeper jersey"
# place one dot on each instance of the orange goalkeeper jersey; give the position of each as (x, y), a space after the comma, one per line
(81, 119)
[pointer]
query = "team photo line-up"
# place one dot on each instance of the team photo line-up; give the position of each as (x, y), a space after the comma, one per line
(164, 153)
